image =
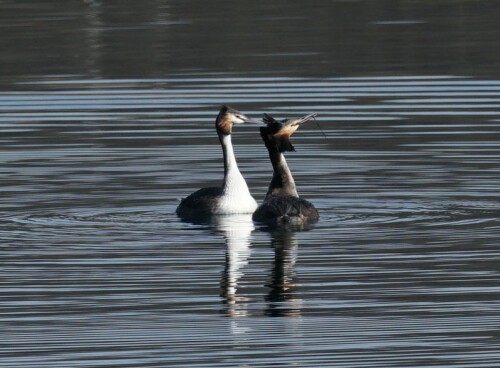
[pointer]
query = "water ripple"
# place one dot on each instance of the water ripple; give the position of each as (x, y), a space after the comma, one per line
(402, 268)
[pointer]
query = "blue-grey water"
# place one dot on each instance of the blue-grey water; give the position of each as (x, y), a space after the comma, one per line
(106, 122)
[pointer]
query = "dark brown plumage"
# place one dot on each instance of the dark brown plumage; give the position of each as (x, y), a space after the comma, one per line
(282, 205)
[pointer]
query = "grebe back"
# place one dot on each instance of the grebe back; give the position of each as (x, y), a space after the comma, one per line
(233, 196)
(282, 204)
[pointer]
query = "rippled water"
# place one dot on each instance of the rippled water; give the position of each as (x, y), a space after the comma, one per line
(401, 270)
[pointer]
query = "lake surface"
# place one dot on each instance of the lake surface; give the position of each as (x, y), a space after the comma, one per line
(106, 122)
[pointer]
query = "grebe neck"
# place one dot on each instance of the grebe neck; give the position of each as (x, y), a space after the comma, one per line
(282, 183)
(232, 175)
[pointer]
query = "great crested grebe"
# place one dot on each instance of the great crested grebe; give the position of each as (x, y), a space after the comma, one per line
(282, 205)
(233, 196)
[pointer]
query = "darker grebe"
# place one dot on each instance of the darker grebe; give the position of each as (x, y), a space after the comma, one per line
(282, 205)
(234, 196)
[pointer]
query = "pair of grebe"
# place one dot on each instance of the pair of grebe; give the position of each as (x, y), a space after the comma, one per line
(282, 204)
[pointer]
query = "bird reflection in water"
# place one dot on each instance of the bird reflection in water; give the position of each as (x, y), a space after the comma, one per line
(237, 230)
(282, 298)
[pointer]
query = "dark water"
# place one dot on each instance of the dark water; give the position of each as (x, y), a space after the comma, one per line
(106, 121)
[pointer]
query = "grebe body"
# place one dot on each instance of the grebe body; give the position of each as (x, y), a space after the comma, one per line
(233, 197)
(287, 210)
(282, 204)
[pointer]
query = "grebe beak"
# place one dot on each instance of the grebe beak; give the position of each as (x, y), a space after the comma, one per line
(253, 121)
(303, 119)
(288, 127)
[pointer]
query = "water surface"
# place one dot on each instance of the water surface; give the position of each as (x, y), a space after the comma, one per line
(400, 271)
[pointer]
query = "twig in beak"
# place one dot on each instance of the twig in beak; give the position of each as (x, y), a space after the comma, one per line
(321, 130)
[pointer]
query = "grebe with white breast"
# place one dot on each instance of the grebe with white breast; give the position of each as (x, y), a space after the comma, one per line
(233, 196)
(282, 204)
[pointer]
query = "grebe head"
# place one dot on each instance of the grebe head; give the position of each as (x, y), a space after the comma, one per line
(278, 133)
(229, 116)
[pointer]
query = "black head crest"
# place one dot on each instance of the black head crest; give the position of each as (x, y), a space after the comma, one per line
(268, 119)
(229, 109)
(281, 143)
(273, 125)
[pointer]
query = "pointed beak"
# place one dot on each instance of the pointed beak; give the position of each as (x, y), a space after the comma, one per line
(253, 121)
(291, 125)
(304, 119)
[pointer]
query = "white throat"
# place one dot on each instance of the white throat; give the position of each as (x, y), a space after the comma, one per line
(236, 196)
